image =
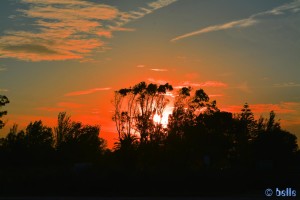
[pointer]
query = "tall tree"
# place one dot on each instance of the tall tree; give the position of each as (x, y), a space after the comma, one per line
(248, 122)
(63, 127)
(77, 142)
(135, 108)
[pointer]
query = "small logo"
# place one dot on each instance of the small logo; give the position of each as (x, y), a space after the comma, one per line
(287, 192)
(268, 192)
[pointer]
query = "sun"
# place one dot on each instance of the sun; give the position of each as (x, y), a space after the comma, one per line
(163, 120)
(157, 119)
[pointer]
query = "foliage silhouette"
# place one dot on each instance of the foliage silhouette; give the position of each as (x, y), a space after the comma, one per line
(3, 100)
(135, 108)
(76, 142)
(30, 146)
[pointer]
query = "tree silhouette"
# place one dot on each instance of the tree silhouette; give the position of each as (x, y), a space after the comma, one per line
(63, 127)
(3, 100)
(38, 136)
(77, 142)
(274, 144)
(135, 108)
(187, 108)
(39, 141)
(245, 129)
(34, 145)
(14, 146)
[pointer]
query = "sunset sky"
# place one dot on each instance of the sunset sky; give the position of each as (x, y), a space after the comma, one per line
(72, 55)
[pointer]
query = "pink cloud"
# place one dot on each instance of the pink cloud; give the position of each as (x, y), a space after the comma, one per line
(84, 92)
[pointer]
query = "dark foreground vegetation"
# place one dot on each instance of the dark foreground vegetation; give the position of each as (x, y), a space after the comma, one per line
(201, 152)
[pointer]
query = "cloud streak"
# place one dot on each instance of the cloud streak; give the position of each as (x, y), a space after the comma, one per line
(203, 84)
(292, 7)
(161, 82)
(2, 69)
(69, 29)
(159, 70)
(61, 106)
(85, 92)
(281, 108)
(289, 84)
(50, 109)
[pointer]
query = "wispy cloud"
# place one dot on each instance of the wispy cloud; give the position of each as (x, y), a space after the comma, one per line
(140, 66)
(50, 109)
(3, 90)
(2, 69)
(63, 30)
(244, 87)
(70, 29)
(289, 84)
(292, 7)
(89, 91)
(61, 106)
(69, 105)
(191, 76)
(233, 24)
(215, 95)
(161, 82)
(203, 84)
(159, 70)
(126, 17)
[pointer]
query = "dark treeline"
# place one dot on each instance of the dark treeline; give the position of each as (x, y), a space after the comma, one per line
(201, 151)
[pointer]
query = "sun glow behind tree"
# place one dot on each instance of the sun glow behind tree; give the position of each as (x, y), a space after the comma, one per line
(140, 110)
(164, 118)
